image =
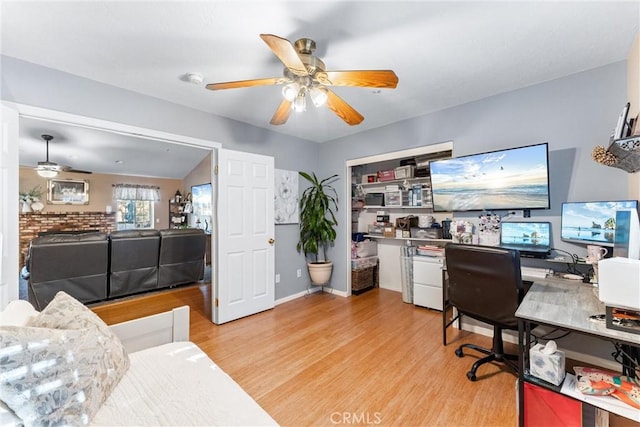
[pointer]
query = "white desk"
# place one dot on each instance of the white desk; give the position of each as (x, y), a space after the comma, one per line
(564, 304)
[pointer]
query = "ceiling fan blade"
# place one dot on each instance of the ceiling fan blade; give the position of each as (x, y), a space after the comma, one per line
(359, 78)
(285, 51)
(282, 113)
(343, 110)
(72, 170)
(247, 83)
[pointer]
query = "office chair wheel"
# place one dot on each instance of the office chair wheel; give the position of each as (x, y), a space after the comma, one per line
(459, 352)
(471, 375)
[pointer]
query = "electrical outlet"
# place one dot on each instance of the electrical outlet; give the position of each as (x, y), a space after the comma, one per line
(277, 278)
(299, 273)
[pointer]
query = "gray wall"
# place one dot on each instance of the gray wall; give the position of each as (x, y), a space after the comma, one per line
(572, 114)
(31, 84)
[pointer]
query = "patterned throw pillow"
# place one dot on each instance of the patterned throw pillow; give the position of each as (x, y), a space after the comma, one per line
(62, 366)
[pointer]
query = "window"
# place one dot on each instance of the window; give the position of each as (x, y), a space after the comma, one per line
(135, 205)
(134, 214)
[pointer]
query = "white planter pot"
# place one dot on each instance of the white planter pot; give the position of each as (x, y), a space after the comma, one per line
(320, 273)
(26, 207)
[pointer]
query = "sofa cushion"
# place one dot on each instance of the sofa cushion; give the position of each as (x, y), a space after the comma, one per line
(62, 366)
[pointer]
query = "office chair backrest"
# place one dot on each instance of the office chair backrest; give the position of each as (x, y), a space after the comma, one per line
(485, 282)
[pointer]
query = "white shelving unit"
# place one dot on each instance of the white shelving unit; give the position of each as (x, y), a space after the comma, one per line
(389, 248)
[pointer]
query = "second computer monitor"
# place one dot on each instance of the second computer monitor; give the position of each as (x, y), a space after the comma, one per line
(532, 239)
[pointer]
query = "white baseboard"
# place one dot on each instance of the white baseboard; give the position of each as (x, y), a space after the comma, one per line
(314, 289)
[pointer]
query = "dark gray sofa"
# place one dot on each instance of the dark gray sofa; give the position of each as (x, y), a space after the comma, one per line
(134, 261)
(181, 256)
(74, 263)
(93, 267)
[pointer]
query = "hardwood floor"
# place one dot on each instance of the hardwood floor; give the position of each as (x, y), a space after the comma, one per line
(328, 360)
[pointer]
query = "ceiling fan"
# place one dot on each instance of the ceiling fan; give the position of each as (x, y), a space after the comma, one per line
(305, 74)
(49, 169)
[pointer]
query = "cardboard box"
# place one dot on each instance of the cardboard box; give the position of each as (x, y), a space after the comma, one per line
(389, 231)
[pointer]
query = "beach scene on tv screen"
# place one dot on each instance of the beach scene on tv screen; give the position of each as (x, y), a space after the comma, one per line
(592, 221)
(509, 179)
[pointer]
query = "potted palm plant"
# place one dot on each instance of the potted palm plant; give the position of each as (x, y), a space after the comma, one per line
(318, 205)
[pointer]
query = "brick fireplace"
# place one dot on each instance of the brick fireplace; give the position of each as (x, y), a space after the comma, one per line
(33, 223)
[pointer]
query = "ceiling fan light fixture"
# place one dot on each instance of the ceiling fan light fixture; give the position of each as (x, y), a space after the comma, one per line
(290, 91)
(318, 95)
(46, 173)
(300, 104)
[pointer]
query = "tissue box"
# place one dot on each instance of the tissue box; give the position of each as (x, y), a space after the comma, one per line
(547, 367)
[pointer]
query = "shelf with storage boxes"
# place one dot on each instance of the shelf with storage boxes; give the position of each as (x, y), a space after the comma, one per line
(392, 186)
(408, 192)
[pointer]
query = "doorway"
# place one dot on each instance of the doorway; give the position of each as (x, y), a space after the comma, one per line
(50, 118)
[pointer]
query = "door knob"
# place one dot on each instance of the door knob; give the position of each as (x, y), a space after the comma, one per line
(272, 241)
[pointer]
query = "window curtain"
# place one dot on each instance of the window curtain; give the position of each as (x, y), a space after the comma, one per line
(136, 192)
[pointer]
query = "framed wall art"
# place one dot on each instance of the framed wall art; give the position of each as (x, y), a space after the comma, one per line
(286, 197)
(68, 192)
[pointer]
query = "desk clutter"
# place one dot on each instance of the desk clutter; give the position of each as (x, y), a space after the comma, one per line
(410, 226)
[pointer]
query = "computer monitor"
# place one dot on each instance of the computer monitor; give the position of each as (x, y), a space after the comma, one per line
(592, 223)
(532, 239)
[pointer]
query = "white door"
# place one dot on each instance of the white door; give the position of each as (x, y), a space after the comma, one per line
(245, 240)
(9, 207)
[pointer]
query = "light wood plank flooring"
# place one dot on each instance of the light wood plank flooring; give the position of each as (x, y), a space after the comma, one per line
(328, 360)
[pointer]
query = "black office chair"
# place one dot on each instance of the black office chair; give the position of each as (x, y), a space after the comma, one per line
(485, 284)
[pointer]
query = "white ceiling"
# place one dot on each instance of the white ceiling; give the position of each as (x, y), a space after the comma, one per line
(444, 53)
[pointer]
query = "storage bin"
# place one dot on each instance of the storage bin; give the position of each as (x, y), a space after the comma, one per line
(364, 278)
(426, 233)
(376, 229)
(374, 199)
(367, 248)
(404, 172)
(386, 176)
(393, 198)
(359, 263)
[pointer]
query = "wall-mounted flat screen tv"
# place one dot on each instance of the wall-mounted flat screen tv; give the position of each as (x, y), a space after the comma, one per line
(592, 222)
(515, 178)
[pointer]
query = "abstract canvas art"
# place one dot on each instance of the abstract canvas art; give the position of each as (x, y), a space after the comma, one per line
(286, 197)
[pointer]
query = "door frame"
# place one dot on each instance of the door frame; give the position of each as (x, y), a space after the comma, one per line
(44, 114)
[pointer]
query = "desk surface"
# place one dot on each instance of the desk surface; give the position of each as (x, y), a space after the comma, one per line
(568, 305)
